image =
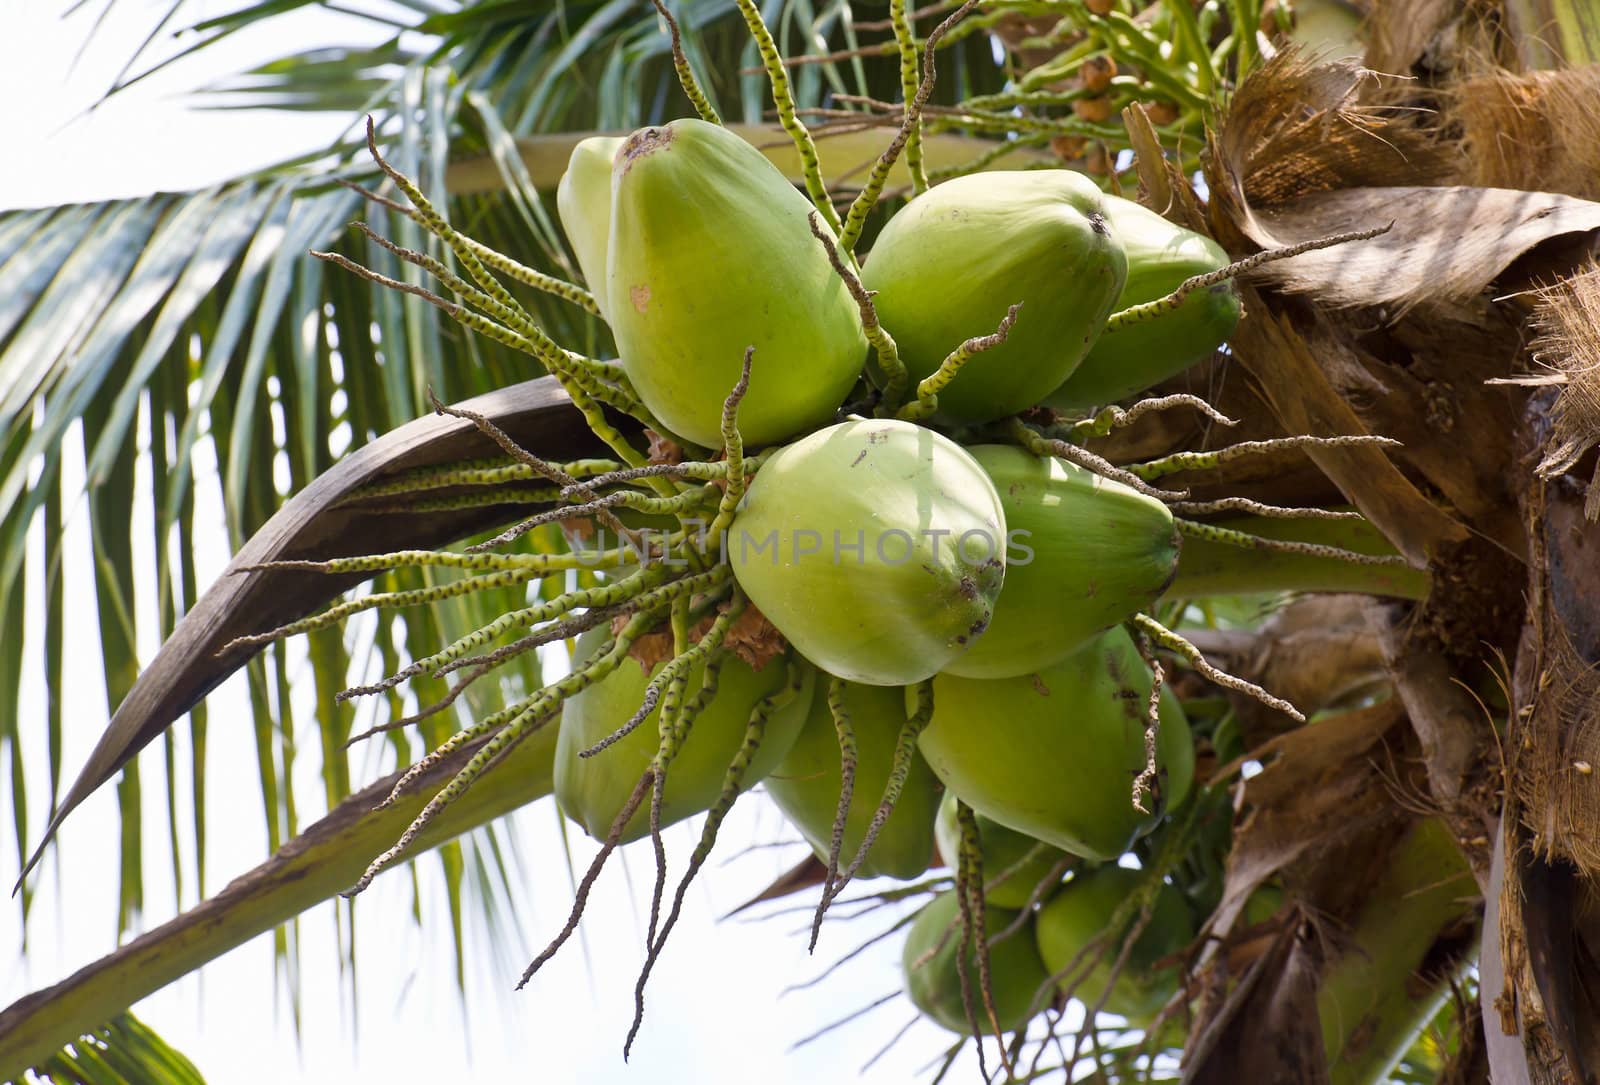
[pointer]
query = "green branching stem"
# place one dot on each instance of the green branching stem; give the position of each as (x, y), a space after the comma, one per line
(1150, 310)
(524, 723)
(393, 599)
(1199, 461)
(1146, 783)
(732, 787)
(432, 558)
(846, 733)
(733, 451)
(783, 100)
(679, 503)
(581, 897)
(485, 472)
(894, 370)
(1114, 417)
(1246, 541)
(680, 63)
(543, 701)
(928, 389)
(603, 595)
(595, 378)
(1166, 638)
(905, 40)
(972, 875)
(1040, 445)
(439, 227)
(867, 198)
(1276, 512)
(497, 261)
(679, 664)
(969, 935)
(697, 470)
(900, 769)
(542, 468)
(670, 740)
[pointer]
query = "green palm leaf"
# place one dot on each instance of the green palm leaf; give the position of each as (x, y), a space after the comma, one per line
(124, 1051)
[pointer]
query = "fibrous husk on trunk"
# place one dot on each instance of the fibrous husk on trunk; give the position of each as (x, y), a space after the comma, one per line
(1537, 130)
(1567, 319)
(1553, 747)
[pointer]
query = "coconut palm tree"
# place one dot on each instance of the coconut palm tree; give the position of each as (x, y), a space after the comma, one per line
(1461, 694)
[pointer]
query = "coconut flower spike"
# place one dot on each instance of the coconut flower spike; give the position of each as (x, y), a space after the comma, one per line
(680, 63)
(1143, 624)
(927, 401)
(732, 788)
(733, 451)
(523, 724)
(900, 768)
(783, 101)
(883, 345)
(845, 731)
(867, 199)
(1149, 310)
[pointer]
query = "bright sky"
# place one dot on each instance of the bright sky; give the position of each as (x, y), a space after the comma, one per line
(717, 1012)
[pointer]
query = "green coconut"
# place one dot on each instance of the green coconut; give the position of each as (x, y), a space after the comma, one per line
(947, 267)
(876, 547)
(1054, 754)
(583, 203)
(1003, 849)
(1015, 970)
(1082, 911)
(1087, 553)
(806, 785)
(710, 254)
(593, 790)
(1161, 255)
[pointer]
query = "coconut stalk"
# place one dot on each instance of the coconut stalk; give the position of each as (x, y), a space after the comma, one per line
(1207, 568)
(1376, 997)
(315, 866)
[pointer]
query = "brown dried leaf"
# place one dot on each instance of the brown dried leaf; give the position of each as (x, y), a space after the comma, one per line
(1300, 158)
(1294, 381)
(663, 449)
(754, 639)
(1162, 186)
(1266, 1030)
(1312, 653)
(1319, 786)
(1448, 243)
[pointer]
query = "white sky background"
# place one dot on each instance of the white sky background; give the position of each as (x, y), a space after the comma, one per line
(715, 1012)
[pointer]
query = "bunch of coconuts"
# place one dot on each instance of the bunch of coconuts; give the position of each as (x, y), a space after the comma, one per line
(930, 575)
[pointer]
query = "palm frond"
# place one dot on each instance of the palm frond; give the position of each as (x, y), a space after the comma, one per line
(124, 1051)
